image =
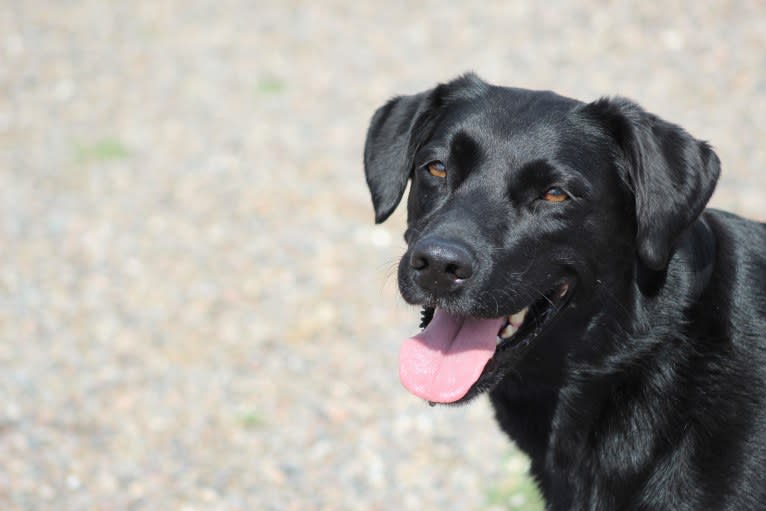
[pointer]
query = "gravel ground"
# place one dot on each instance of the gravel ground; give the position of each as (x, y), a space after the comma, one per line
(196, 312)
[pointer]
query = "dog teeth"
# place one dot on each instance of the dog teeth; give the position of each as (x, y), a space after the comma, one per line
(514, 323)
(517, 319)
(508, 331)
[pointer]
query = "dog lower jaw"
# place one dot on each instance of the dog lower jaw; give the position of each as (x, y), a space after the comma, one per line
(514, 339)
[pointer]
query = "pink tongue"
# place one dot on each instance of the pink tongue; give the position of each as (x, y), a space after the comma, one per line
(443, 361)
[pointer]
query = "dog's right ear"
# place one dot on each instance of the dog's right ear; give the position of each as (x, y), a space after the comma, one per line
(392, 139)
(398, 129)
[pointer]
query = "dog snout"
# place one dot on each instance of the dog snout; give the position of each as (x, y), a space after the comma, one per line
(441, 266)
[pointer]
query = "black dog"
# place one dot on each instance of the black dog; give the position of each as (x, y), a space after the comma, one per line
(566, 264)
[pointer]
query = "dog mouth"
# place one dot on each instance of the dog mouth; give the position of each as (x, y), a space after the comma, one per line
(456, 357)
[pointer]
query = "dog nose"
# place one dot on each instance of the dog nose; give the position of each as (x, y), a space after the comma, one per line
(441, 265)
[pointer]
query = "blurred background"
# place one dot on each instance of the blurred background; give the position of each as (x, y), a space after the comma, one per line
(196, 310)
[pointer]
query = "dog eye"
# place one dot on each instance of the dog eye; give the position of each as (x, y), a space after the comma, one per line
(437, 169)
(555, 194)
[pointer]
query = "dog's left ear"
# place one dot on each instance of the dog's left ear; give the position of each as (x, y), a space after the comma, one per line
(671, 174)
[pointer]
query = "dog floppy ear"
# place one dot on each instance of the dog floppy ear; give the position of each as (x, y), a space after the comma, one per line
(398, 129)
(671, 174)
(390, 148)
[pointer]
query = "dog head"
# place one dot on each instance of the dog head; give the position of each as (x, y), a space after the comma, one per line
(522, 205)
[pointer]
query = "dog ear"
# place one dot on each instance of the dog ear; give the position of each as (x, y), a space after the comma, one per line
(389, 150)
(671, 174)
(398, 129)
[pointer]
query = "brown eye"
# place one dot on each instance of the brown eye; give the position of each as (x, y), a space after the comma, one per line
(437, 169)
(555, 194)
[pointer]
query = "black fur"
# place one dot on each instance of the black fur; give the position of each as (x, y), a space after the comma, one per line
(645, 388)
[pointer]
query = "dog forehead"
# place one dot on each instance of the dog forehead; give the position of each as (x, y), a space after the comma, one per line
(507, 119)
(495, 145)
(493, 136)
